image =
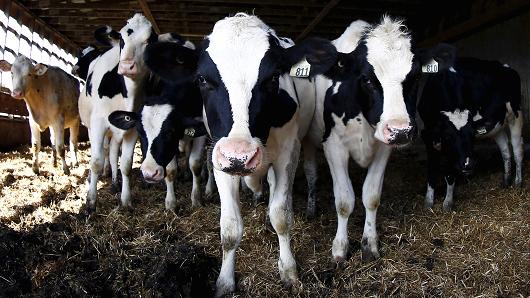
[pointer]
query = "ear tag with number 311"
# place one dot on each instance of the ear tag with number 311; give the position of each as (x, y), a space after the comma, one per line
(300, 69)
(431, 67)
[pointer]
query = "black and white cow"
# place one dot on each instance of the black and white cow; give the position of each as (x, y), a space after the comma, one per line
(174, 115)
(257, 122)
(365, 106)
(115, 81)
(464, 99)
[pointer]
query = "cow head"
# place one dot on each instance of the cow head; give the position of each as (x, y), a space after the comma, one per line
(135, 36)
(22, 72)
(160, 126)
(242, 74)
(380, 75)
(457, 136)
(85, 57)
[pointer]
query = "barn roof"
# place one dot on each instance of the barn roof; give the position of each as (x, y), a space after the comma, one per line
(430, 21)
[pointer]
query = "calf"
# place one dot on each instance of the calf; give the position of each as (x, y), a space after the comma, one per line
(114, 82)
(257, 121)
(464, 99)
(51, 97)
(364, 108)
(164, 120)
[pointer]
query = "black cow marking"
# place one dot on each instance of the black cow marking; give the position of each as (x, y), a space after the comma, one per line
(130, 31)
(89, 85)
(112, 84)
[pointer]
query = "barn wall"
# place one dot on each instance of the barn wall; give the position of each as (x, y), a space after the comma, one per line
(509, 43)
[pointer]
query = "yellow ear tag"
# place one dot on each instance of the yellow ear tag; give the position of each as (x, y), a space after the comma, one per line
(300, 69)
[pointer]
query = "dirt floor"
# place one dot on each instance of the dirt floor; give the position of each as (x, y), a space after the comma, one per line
(48, 247)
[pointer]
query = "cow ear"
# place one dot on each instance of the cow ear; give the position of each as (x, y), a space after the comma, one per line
(170, 61)
(123, 120)
(193, 128)
(107, 36)
(320, 53)
(5, 66)
(444, 54)
(40, 69)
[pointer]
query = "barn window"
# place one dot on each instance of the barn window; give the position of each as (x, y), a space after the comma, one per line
(17, 38)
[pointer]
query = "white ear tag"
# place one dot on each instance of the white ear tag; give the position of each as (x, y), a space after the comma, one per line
(431, 67)
(190, 132)
(300, 69)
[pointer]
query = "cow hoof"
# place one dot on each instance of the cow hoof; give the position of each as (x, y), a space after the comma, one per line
(224, 288)
(518, 183)
(448, 206)
(258, 198)
(90, 209)
(368, 252)
(115, 187)
(293, 286)
(66, 171)
(340, 249)
(310, 213)
(427, 205)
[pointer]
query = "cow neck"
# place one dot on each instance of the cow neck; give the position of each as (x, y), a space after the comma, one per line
(136, 88)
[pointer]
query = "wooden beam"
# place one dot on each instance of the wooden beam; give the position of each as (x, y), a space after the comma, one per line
(494, 15)
(149, 15)
(323, 13)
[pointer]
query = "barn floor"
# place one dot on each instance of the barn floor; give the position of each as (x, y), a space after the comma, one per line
(48, 247)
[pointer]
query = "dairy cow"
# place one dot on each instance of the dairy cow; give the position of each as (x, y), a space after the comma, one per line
(51, 97)
(115, 81)
(464, 99)
(257, 122)
(365, 106)
(175, 114)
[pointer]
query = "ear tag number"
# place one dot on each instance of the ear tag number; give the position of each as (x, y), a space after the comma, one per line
(431, 67)
(190, 132)
(481, 131)
(300, 69)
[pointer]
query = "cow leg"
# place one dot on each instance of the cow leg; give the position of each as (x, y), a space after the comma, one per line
(112, 154)
(97, 136)
(449, 193)
(281, 208)
(337, 157)
(74, 134)
(210, 184)
(171, 173)
(195, 163)
(255, 185)
(502, 141)
(185, 147)
(516, 126)
(35, 144)
(58, 129)
(106, 165)
(433, 169)
(127, 152)
(372, 187)
(231, 230)
(311, 174)
(52, 141)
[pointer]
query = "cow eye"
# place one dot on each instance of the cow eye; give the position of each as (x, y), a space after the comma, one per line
(201, 80)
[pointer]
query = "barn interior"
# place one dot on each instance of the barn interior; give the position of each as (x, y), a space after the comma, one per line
(49, 247)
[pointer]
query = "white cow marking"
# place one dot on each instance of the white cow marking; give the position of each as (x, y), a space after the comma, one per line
(152, 119)
(451, 69)
(506, 65)
(458, 118)
(336, 87)
(477, 117)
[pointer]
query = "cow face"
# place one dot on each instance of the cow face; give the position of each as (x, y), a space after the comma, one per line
(86, 56)
(242, 74)
(160, 126)
(457, 135)
(134, 38)
(381, 77)
(22, 72)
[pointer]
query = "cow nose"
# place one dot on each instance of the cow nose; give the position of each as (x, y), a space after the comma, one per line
(152, 174)
(17, 93)
(468, 166)
(398, 132)
(127, 68)
(239, 157)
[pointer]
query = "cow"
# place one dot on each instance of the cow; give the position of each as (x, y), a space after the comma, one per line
(115, 82)
(256, 121)
(365, 106)
(464, 99)
(163, 120)
(51, 97)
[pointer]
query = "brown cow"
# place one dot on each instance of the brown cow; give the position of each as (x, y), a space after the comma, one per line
(51, 97)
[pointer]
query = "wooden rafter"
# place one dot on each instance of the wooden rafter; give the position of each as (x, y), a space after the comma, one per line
(149, 15)
(323, 13)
